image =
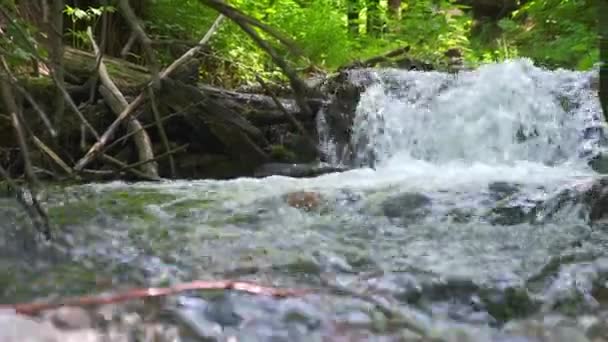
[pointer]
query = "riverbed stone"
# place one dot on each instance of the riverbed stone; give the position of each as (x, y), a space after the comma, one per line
(408, 206)
(502, 190)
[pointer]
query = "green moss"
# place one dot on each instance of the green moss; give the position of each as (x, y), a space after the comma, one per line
(572, 305)
(119, 204)
(73, 213)
(282, 154)
(187, 207)
(67, 279)
(512, 303)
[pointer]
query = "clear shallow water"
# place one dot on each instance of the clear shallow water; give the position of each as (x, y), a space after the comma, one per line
(451, 214)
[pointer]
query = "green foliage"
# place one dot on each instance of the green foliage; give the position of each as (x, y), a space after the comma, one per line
(554, 33)
(603, 38)
(431, 28)
(17, 42)
(319, 27)
(89, 16)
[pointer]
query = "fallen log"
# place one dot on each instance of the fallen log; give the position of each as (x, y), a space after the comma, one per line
(239, 138)
(259, 109)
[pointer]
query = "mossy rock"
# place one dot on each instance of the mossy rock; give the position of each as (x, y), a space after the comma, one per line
(511, 304)
(281, 153)
(118, 204)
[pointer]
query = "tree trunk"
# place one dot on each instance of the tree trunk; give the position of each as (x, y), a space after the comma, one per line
(603, 38)
(55, 34)
(374, 18)
(394, 8)
(352, 14)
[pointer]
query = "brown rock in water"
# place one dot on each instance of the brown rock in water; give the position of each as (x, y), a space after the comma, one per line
(306, 200)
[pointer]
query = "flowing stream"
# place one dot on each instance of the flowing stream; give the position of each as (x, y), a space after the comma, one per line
(455, 218)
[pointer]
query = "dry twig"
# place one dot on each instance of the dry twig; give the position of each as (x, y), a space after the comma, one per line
(242, 286)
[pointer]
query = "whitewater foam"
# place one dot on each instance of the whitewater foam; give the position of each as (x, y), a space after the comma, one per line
(498, 114)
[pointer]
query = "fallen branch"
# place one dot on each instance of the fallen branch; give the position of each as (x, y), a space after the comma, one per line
(103, 140)
(43, 116)
(30, 204)
(242, 286)
(137, 28)
(130, 134)
(117, 102)
(158, 157)
(49, 152)
(125, 166)
(74, 107)
(127, 48)
(161, 130)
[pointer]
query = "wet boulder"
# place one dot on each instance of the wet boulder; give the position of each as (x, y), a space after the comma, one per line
(339, 113)
(408, 207)
(511, 213)
(587, 198)
(599, 163)
(501, 190)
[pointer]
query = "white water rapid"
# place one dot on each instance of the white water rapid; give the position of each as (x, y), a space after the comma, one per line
(510, 120)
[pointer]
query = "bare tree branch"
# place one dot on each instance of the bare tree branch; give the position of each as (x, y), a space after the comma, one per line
(117, 102)
(161, 130)
(239, 17)
(123, 166)
(136, 27)
(127, 48)
(242, 286)
(103, 140)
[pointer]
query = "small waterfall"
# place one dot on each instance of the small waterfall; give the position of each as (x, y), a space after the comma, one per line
(499, 114)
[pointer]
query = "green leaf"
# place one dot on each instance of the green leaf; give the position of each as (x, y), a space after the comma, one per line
(80, 14)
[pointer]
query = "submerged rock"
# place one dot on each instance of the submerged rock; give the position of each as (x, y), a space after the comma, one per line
(408, 206)
(598, 198)
(502, 190)
(304, 200)
(295, 170)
